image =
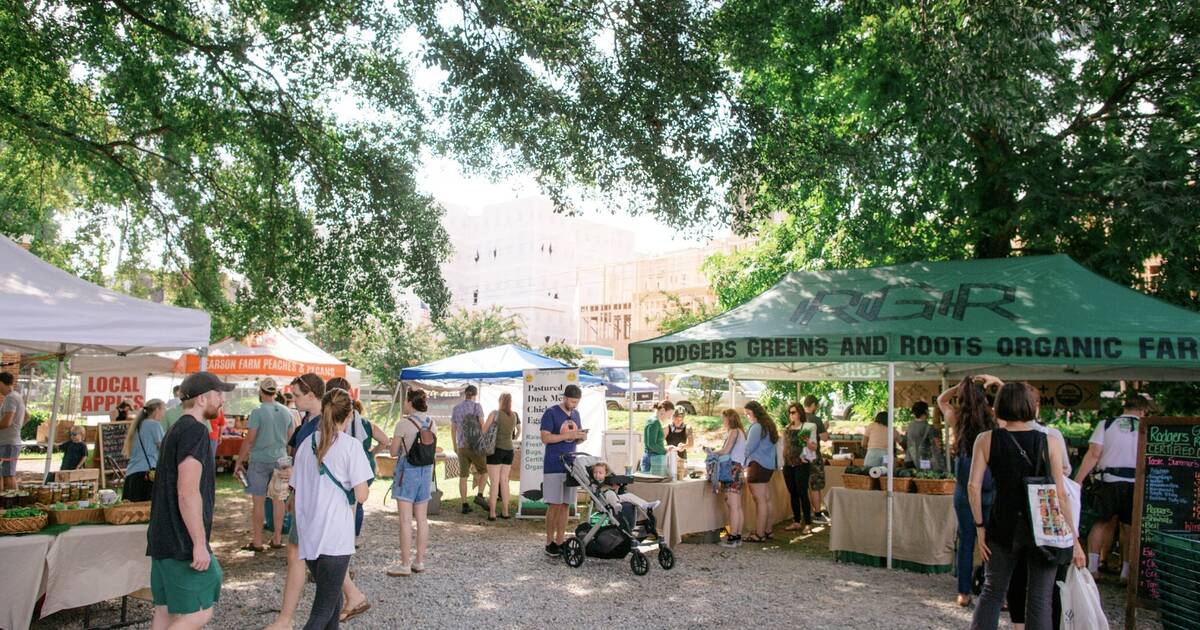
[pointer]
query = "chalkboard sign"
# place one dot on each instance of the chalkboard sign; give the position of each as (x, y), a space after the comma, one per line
(1166, 498)
(110, 444)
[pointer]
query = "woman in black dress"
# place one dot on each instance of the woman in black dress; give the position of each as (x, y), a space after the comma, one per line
(1011, 454)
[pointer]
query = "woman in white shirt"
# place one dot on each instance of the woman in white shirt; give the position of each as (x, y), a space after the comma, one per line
(330, 477)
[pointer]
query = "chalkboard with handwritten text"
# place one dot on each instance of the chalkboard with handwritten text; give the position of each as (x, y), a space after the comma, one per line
(110, 442)
(1167, 496)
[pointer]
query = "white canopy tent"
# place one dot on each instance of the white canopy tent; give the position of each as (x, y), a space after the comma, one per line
(45, 310)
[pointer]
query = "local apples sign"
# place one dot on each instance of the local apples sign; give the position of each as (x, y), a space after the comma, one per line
(102, 392)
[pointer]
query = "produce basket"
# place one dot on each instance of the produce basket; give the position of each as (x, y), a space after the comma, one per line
(23, 524)
(128, 513)
(902, 484)
(934, 486)
(857, 482)
(77, 516)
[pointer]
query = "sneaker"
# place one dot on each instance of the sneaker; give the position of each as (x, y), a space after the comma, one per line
(653, 505)
(466, 508)
(553, 550)
(480, 501)
(821, 518)
(732, 542)
(400, 570)
(418, 567)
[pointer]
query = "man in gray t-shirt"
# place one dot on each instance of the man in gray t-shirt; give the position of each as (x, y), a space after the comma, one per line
(469, 460)
(12, 416)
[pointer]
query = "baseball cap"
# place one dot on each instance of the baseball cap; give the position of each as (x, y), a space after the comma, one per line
(268, 385)
(201, 383)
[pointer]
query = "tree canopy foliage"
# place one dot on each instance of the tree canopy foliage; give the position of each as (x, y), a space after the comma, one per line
(205, 136)
(275, 143)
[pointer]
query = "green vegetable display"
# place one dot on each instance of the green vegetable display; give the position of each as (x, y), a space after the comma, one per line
(22, 512)
(933, 474)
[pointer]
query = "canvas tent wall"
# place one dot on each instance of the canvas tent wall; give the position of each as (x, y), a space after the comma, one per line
(501, 368)
(46, 310)
(1043, 317)
(1021, 318)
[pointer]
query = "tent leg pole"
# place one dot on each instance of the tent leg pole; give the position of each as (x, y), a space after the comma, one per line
(58, 370)
(945, 427)
(204, 358)
(629, 408)
(891, 458)
(395, 396)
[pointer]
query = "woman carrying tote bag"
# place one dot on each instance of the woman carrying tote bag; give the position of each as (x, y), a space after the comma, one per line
(1013, 454)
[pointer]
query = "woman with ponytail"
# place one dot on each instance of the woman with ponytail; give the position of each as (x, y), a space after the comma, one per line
(330, 477)
(968, 412)
(142, 440)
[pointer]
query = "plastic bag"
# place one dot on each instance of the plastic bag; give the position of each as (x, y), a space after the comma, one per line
(1081, 609)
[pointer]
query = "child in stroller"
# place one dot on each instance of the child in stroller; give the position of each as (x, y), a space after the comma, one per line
(626, 504)
(627, 522)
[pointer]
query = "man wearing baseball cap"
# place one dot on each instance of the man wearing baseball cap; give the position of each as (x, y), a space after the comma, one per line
(270, 426)
(185, 578)
(560, 430)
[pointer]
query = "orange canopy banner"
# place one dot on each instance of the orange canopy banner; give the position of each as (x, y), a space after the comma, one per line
(258, 365)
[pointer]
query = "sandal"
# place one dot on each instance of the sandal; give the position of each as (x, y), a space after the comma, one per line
(275, 546)
(250, 547)
(795, 527)
(769, 536)
(754, 538)
(505, 516)
(351, 613)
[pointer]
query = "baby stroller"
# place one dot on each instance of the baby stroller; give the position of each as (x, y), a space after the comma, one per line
(613, 535)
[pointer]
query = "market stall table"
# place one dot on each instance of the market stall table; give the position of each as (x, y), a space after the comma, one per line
(81, 566)
(91, 564)
(923, 538)
(690, 506)
(20, 587)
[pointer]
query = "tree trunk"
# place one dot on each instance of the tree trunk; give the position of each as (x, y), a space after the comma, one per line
(995, 217)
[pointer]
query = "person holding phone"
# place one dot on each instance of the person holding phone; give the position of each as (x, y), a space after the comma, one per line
(560, 429)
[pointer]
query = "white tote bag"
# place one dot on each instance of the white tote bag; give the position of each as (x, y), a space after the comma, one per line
(1081, 609)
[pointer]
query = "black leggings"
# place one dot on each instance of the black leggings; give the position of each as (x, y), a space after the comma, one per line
(796, 478)
(329, 573)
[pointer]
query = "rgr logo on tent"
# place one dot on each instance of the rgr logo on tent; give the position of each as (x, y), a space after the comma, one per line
(908, 300)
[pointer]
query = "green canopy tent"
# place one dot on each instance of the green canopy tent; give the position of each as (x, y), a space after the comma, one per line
(1043, 317)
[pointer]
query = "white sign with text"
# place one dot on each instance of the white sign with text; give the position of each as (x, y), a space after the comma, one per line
(541, 389)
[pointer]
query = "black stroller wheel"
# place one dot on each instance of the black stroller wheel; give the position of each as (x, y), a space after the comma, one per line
(573, 553)
(666, 558)
(639, 563)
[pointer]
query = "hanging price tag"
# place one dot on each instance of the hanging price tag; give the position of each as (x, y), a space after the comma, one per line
(925, 464)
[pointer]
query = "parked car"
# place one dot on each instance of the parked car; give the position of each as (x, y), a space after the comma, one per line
(687, 391)
(615, 375)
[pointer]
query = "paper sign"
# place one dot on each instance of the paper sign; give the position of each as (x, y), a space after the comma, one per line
(541, 389)
(100, 393)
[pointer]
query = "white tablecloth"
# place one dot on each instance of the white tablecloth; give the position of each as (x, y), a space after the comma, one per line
(690, 506)
(22, 563)
(85, 565)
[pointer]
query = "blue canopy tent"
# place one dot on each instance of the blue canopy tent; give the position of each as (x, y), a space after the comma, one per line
(496, 363)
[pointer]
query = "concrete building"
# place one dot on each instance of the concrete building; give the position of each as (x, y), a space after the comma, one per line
(526, 258)
(625, 301)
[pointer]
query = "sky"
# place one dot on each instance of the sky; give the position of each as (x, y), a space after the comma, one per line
(444, 179)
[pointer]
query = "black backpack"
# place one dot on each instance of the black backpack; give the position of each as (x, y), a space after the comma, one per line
(424, 450)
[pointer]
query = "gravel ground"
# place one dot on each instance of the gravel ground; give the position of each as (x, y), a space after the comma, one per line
(494, 575)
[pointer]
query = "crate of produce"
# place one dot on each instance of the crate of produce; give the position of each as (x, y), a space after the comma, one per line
(73, 514)
(127, 513)
(932, 482)
(858, 482)
(22, 520)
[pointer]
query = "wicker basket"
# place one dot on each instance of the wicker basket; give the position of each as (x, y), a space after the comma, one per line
(858, 482)
(128, 513)
(76, 517)
(904, 484)
(23, 525)
(934, 486)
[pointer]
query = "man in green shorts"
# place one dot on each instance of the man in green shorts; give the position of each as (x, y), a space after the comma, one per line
(185, 578)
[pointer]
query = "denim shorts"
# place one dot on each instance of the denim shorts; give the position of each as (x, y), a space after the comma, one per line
(411, 483)
(258, 478)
